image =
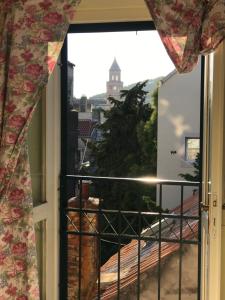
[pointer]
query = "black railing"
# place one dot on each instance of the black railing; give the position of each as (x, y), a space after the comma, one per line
(110, 252)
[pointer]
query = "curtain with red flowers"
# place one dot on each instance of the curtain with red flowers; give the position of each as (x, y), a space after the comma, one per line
(31, 36)
(188, 28)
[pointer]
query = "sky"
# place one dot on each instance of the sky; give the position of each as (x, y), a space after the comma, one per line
(140, 55)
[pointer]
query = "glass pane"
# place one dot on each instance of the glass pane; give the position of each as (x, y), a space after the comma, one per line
(193, 143)
(192, 148)
(40, 231)
(36, 154)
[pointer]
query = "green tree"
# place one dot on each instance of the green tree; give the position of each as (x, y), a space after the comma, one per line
(196, 176)
(129, 136)
(128, 148)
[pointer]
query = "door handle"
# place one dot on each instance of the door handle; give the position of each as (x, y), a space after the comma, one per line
(204, 207)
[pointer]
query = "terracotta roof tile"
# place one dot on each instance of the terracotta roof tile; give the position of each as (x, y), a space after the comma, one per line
(149, 251)
(85, 128)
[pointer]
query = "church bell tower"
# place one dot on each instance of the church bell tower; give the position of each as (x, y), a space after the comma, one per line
(114, 85)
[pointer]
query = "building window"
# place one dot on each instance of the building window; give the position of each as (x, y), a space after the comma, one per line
(114, 88)
(192, 147)
(112, 77)
(117, 78)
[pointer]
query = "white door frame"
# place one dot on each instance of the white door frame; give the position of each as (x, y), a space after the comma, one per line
(49, 211)
(213, 175)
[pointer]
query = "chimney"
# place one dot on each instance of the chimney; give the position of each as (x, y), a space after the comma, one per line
(87, 264)
(83, 104)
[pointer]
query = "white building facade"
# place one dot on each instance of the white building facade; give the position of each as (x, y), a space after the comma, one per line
(178, 130)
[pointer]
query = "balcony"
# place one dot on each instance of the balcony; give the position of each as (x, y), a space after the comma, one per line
(110, 252)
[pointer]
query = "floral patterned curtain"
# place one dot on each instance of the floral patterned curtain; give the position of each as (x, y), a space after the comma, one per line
(188, 28)
(31, 36)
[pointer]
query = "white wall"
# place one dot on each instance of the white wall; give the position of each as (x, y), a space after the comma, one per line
(178, 117)
(85, 115)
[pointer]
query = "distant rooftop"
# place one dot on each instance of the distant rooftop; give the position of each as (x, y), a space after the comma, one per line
(148, 250)
(168, 76)
(86, 128)
(71, 64)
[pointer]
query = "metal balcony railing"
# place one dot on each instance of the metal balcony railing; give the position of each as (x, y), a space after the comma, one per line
(110, 251)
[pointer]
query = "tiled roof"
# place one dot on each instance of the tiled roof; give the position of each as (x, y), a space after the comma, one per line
(168, 76)
(85, 128)
(148, 250)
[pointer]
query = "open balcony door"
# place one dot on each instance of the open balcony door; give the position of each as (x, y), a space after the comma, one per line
(44, 145)
(213, 218)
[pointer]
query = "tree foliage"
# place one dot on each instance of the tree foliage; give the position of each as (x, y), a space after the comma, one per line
(196, 176)
(128, 148)
(128, 145)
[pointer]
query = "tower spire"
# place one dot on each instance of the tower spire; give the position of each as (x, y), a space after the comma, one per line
(115, 67)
